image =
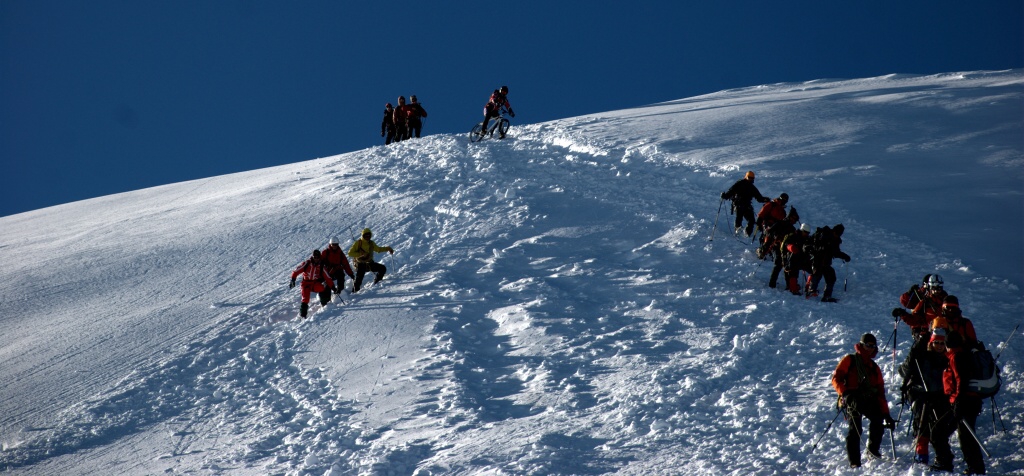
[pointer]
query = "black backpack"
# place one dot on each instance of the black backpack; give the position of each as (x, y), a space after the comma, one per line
(986, 379)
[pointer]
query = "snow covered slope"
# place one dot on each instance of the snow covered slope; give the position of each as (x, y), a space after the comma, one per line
(555, 305)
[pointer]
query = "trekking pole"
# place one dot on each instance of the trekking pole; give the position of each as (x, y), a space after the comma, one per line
(846, 274)
(838, 412)
(392, 254)
(892, 442)
(971, 431)
(716, 220)
(1006, 342)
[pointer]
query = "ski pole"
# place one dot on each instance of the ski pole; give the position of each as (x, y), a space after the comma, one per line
(971, 431)
(846, 274)
(838, 412)
(892, 442)
(1007, 341)
(716, 220)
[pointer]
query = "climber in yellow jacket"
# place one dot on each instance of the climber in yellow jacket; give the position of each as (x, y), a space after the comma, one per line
(362, 252)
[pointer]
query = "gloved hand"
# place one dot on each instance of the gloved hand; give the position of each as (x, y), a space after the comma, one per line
(382, 133)
(913, 290)
(391, 250)
(849, 402)
(898, 311)
(846, 259)
(336, 290)
(889, 423)
(723, 195)
(511, 113)
(292, 285)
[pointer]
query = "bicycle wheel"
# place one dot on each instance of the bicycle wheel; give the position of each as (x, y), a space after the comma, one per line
(502, 128)
(474, 134)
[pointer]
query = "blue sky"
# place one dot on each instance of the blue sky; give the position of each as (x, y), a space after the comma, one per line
(104, 96)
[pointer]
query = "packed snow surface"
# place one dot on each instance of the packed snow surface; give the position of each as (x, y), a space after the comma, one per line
(555, 305)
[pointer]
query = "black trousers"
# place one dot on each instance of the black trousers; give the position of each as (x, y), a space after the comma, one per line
(390, 136)
(966, 415)
(363, 268)
(414, 128)
(829, 273)
(875, 432)
(745, 211)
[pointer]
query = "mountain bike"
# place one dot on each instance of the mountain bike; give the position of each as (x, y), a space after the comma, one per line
(499, 124)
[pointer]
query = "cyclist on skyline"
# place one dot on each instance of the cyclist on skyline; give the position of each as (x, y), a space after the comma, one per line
(499, 99)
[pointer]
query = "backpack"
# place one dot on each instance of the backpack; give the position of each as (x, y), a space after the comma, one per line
(819, 247)
(987, 379)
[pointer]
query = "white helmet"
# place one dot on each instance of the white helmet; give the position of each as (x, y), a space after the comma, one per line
(935, 281)
(805, 227)
(333, 241)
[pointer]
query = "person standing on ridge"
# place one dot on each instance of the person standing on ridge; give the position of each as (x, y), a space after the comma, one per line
(741, 193)
(861, 388)
(499, 99)
(401, 120)
(314, 279)
(336, 263)
(387, 125)
(362, 251)
(416, 113)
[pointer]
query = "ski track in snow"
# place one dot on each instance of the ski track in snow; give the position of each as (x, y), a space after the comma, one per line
(555, 305)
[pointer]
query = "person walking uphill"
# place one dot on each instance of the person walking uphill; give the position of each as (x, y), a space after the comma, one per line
(336, 263)
(861, 388)
(824, 248)
(965, 406)
(362, 251)
(741, 193)
(314, 279)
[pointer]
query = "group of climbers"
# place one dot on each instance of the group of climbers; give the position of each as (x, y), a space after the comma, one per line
(324, 271)
(792, 249)
(403, 122)
(406, 121)
(938, 382)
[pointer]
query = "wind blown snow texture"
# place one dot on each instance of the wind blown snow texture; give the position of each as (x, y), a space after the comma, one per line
(555, 305)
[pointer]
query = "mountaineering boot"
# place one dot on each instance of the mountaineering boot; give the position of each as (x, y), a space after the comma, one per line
(303, 309)
(829, 299)
(940, 466)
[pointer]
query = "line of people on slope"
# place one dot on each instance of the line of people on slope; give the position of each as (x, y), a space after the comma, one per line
(937, 382)
(403, 122)
(406, 121)
(793, 250)
(324, 271)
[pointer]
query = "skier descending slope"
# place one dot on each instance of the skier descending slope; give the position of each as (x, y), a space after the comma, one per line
(314, 279)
